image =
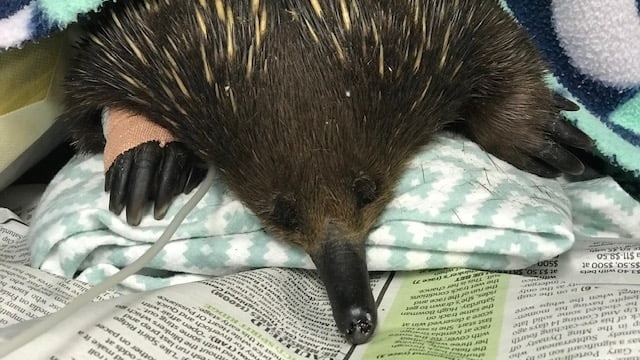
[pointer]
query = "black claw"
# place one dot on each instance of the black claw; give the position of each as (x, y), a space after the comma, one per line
(563, 132)
(119, 173)
(183, 175)
(195, 178)
(162, 203)
(147, 157)
(169, 177)
(561, 159)
(563, 103)
(107, 179)
(541, 169)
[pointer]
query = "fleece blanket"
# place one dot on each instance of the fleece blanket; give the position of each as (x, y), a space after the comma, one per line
(456, 206)
(593, 48)
(31, 20)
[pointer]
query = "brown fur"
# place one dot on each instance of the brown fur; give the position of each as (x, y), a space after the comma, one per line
(310, 110)
(316, 133)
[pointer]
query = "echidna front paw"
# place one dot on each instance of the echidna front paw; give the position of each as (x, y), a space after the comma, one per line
(150, 173)
(554, 156)
(519, 131)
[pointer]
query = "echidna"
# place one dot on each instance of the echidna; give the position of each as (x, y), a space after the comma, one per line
(310, 109)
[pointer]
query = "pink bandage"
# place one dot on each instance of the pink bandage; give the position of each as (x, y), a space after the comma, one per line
(125, 130)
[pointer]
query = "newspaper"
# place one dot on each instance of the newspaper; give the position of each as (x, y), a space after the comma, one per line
(581, 305)
(12, 229)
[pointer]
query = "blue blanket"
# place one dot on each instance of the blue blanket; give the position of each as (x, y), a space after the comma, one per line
(31, 20)
(593, 49)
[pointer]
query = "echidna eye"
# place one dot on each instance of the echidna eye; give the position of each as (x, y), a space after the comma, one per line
(284, 212)
(365, 190)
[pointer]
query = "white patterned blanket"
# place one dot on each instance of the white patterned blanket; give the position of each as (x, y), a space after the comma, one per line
(456, 206)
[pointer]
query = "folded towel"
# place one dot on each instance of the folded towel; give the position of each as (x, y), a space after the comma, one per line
(593, 48)
(455, 206)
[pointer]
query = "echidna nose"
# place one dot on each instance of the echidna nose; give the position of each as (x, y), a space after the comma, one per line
(342, 267)
(360, 325)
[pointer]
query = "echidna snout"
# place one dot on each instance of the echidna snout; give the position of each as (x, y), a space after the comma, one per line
(343, 269)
